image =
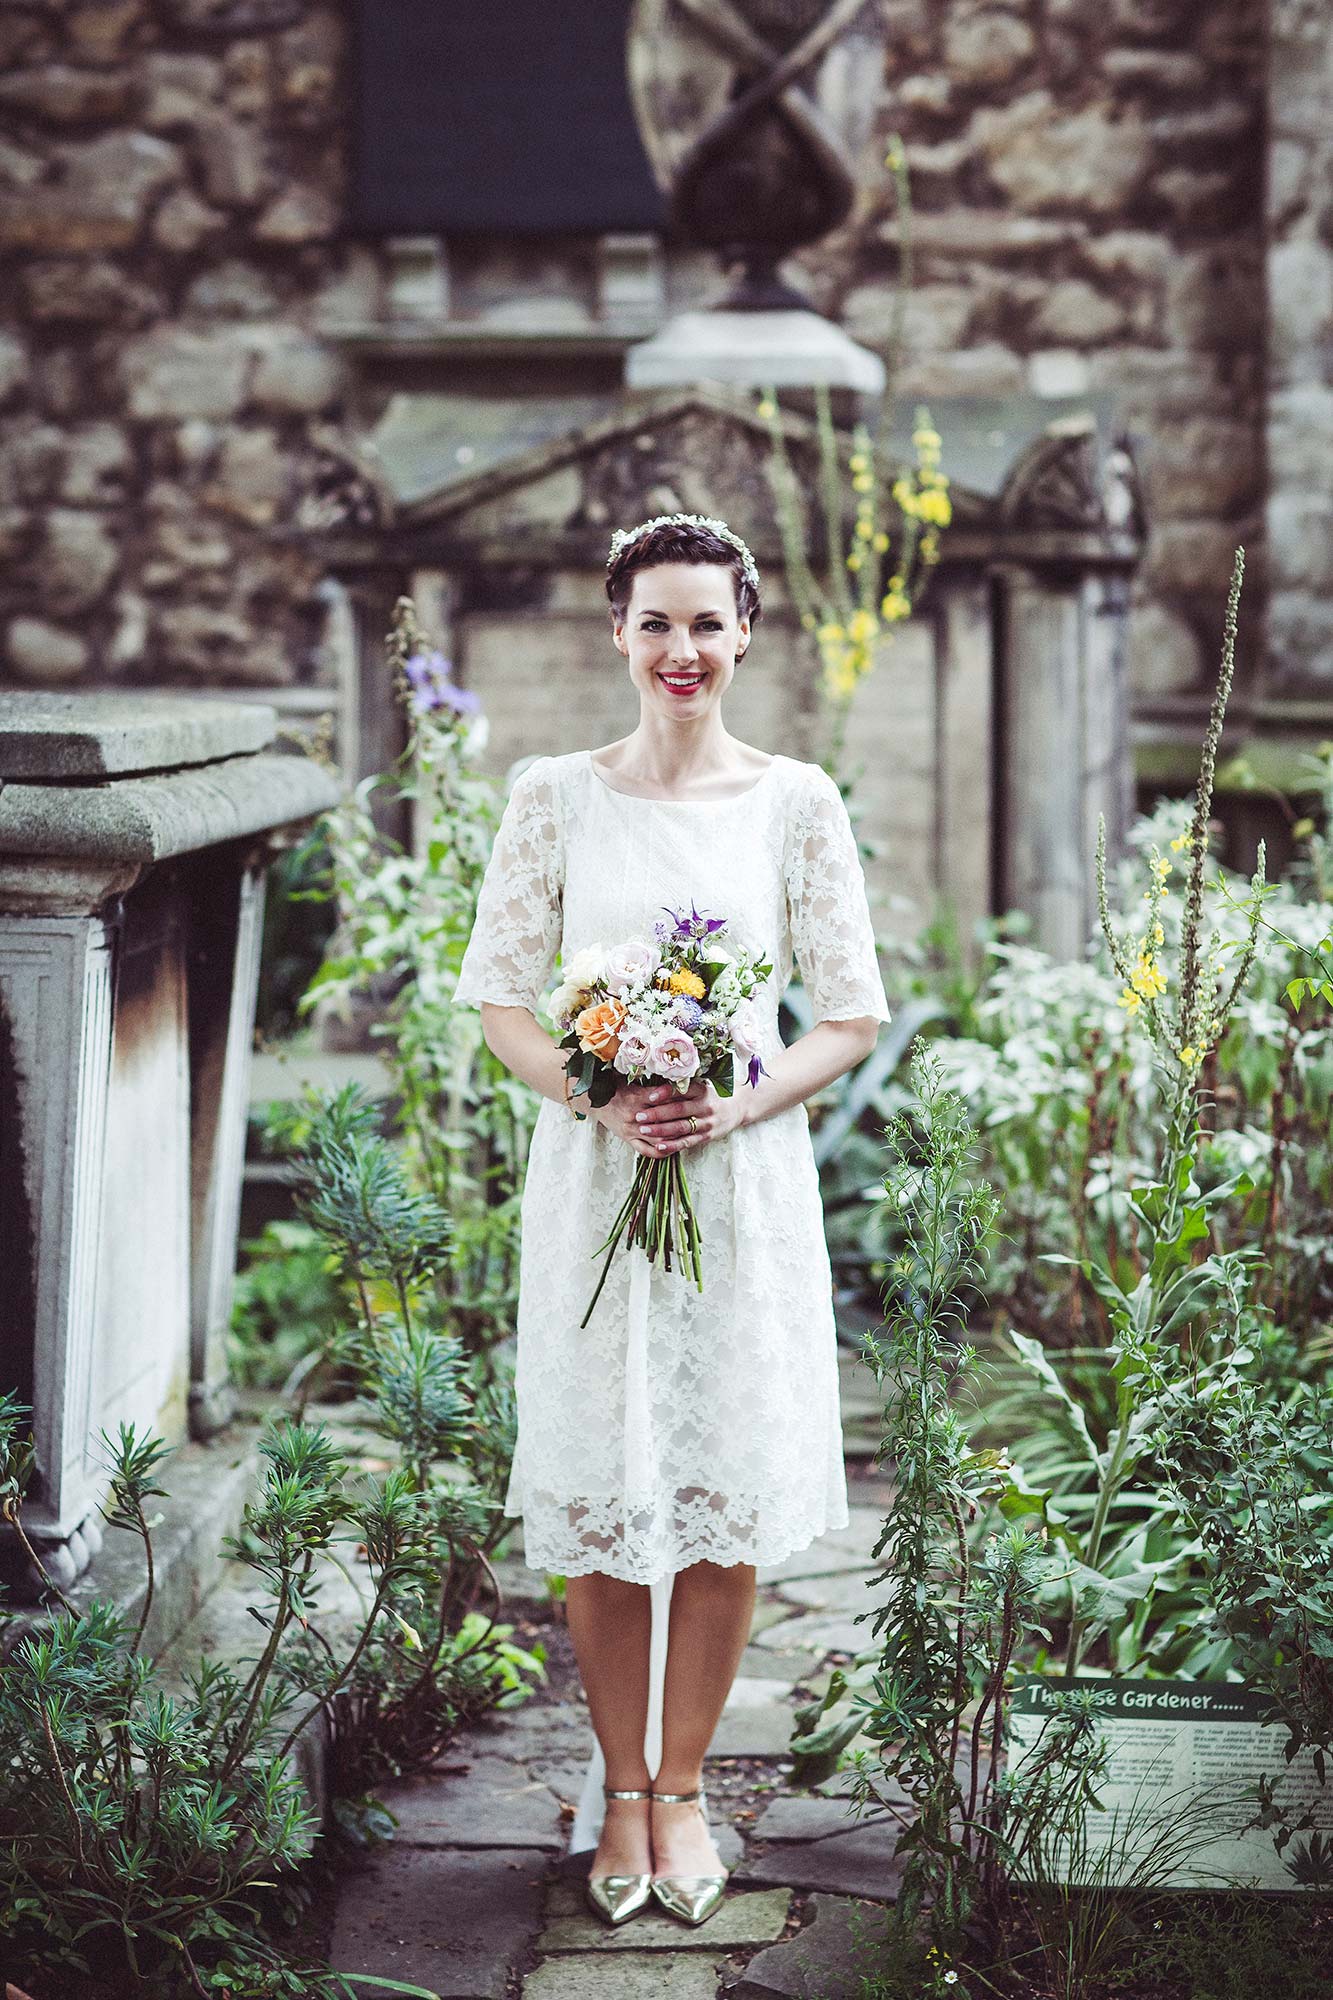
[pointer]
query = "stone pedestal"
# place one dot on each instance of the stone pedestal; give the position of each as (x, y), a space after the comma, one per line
(134, 835)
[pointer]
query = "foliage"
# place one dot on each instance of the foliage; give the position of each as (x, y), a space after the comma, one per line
(954, 1615)
(404, 920)
(287, 1306)
(869, 587)
(144, 1826)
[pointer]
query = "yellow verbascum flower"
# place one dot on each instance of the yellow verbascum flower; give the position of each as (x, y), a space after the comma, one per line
(1191, 1057)
(1147, 979)
(1129, 1000)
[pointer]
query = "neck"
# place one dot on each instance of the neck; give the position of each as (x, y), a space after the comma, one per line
(671, 755)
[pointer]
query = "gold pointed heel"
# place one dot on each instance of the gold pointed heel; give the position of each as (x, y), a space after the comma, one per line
(617, 1898)
(692, 1898)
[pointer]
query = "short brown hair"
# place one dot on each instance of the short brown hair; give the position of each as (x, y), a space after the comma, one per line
(679, 542)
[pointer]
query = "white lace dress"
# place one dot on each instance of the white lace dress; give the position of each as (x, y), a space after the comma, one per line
(677, 1426)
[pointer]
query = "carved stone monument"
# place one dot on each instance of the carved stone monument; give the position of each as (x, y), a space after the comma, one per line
(753, 114)
(134, 836)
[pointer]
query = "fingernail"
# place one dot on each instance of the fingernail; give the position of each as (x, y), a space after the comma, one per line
(642, 1117)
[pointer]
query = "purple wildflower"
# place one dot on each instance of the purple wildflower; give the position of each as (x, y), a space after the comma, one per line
(756, 1070)
(428, 678)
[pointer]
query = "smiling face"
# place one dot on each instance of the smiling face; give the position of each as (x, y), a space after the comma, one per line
(682, 636)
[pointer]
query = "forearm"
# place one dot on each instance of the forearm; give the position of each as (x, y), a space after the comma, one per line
(514, 1036)
(805, 1067)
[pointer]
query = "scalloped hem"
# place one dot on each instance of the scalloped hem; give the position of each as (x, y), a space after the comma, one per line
(584, 1562)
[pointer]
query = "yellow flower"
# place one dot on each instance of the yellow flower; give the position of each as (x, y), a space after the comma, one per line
(895, 605)
(928, 548)
(1147, 979)
(854, 560)
(1191, 1057)
(1161, 867)
(863, 483)
(1158, 934)
(905, 495)
(1130, 1001)
(829, 635)
(926, 440)
(1181, 841)
(935, 507)
(809, 621)
(864, 531)
(881, 541)
(858, 462)
(767, 408)
(862, 626)
(686, 981)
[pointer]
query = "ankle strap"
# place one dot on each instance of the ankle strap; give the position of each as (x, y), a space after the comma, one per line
(677, 1798)
(611, 1794)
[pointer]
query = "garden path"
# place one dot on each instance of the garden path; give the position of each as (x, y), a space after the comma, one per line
(475, 1899)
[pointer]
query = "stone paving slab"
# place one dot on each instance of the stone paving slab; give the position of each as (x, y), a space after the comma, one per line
(761, 1730)
(754, 1917)
(848, 1590)
(828, 1960)
(486, 1802)
(644, 1975)
(858, 1862)
(818, 1632)
(841, 1548)
(485, 1908)
(797, 1664)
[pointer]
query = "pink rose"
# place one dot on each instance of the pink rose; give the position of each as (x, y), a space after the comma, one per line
(674, 1056)
(633, 1052)
(745, 1031)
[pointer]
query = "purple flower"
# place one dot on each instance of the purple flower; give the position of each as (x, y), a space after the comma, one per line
(688, 1011)
(428, 678)
(756, 1070)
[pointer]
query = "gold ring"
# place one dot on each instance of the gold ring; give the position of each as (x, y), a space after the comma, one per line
(694, 1124)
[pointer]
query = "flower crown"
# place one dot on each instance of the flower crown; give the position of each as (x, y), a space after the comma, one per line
(624, 536)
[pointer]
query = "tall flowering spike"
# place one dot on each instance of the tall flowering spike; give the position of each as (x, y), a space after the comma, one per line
(1188, 1019)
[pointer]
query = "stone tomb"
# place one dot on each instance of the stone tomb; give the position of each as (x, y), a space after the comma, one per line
(982, 748)
(134, 836)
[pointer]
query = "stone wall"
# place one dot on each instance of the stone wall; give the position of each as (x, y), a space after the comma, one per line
(1088, 179)
(1300, 344)
(170, 179)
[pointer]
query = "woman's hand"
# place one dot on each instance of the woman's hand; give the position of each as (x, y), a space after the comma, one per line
(654, 1118)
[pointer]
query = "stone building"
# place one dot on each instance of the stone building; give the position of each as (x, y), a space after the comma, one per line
(206, 322)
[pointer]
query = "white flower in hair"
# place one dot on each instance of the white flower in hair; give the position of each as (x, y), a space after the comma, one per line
(623, 536)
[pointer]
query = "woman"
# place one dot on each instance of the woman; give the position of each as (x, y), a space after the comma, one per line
(681, 1439)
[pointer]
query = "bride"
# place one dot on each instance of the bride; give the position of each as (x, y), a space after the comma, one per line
(680, 1440)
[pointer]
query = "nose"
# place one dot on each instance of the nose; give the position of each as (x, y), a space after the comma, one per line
(683, 651)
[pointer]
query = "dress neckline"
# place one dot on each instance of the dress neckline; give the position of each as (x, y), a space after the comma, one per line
(640, 799)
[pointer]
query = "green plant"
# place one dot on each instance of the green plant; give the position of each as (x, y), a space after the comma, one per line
(868, 583)
(287, 1307)
(405, 916)
(953, 1615)
(142, 1834)
(163, 1820)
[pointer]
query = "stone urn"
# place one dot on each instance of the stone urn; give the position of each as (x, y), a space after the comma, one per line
(754, 116)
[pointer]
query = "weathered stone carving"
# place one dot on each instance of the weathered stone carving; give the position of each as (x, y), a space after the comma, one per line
(751, 113)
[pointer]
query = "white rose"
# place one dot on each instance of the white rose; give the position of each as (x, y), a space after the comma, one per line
(564, 1001)
(585, 967)
(630, 965)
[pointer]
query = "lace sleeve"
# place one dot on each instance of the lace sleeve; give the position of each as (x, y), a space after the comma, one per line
(832, 935)
(511, 952)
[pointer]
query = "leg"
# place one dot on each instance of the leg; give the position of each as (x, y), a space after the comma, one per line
(609, 1623)
(711, 1609)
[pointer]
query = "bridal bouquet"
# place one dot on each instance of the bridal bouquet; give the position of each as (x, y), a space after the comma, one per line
(661, 1010)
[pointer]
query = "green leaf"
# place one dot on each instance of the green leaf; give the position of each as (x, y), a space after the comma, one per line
(1033, 1356)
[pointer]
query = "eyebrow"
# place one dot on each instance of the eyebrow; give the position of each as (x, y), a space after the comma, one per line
(698, 614)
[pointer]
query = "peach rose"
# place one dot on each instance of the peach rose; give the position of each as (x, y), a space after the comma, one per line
(598, 1028)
